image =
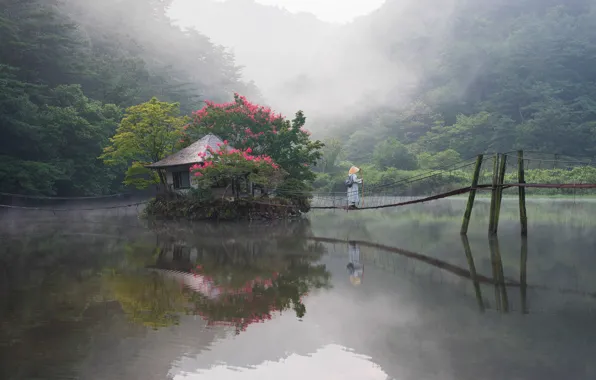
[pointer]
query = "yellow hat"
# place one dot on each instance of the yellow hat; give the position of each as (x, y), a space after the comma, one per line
(353, 170)
(355, 280)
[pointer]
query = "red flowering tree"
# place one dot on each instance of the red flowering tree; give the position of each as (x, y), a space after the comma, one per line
(246, 125)
(235, 167)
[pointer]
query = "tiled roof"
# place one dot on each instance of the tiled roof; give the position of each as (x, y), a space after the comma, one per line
(190, 154)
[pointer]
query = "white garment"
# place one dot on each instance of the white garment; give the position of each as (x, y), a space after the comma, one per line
(353, 194)
(354, 252)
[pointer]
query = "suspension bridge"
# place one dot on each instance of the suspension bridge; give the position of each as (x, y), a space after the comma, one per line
(492, 173)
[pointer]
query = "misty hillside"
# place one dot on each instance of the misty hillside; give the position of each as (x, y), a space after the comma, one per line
(67, 70)
(474, 76)
(407, 85)
(272, 44)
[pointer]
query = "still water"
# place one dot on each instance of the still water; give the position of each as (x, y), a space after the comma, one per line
(106, 296)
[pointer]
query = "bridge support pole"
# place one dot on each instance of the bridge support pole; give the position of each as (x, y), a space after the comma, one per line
(473, 275)
(500, 188)
(499, 167)
(523, 217)
(471, 196)
(523, 274)
(501, 298)
(493, 197)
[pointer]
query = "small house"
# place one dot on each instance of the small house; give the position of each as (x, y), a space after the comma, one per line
(177, 166)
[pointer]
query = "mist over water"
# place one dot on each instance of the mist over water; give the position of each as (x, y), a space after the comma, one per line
(96, 295)
(90, 290)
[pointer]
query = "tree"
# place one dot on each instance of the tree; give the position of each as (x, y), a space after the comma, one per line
(247, 125)
(360, 146)
(392, 153)
(148, 133)
(58, 141)
(442, 159)
(329, 155)
(234, 167)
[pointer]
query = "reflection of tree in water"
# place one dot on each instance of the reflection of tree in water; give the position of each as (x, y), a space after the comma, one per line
(259, 299)
(251, 273)
(148, 299)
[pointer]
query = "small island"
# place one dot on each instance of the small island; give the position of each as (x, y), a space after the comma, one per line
(230, 161)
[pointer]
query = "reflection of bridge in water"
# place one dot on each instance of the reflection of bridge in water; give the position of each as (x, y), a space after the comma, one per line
(401, 261)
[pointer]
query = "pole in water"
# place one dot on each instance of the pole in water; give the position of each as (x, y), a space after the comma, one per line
(523, 217)
(500, 289)
(471, 196)
(523, 274)
(493, 198)
(470, 258)
(500, 188)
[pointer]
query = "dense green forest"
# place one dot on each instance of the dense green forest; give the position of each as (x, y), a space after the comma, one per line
(69, 68)
(487, 76)
(494, 76)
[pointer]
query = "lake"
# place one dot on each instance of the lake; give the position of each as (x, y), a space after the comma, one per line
(104, 295)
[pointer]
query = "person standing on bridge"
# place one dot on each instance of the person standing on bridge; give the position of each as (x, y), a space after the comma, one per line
(352, 185)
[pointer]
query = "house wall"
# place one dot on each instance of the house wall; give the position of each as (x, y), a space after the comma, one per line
(170, 177)
(217, 192)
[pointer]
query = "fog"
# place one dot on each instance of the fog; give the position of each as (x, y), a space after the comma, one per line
(300, 62)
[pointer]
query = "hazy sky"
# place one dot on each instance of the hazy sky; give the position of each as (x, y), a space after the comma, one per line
(337, 11)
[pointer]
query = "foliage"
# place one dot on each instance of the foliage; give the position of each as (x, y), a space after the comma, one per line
(297, 192)
(58, 141)
(149, 300)
(68, 67)
(330, 155)
(361, 145)
(230, 166)
(437, 160)
(492, 76)
(247, 125)
(392, 153)
(201, 208)
(148, 133)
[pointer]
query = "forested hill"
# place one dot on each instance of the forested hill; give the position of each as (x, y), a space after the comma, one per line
(480, 75)
(412, 83)
(67, 70)
(467, 75)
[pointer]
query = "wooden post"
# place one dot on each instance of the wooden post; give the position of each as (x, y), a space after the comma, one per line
(471, 196)
(500, 181)
(493, 198)
(498, 275)
(523, 280)
(523, 217)
(473, 275)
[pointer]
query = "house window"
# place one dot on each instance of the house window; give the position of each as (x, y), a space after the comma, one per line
(181, 180)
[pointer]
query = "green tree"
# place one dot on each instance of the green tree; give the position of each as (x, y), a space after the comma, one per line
(234, 167)
(360, 146)
(58, 142)
(329, 156)
(394, 154)
(247, 125)
(445, 158)
(148, 133)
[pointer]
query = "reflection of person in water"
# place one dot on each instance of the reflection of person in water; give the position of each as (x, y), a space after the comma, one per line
(355, 267)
